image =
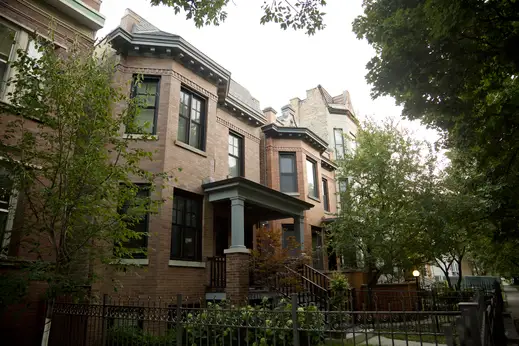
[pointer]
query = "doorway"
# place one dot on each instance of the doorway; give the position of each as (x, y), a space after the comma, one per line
(317, 248)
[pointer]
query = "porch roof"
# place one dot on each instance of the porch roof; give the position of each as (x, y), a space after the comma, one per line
(257, 194)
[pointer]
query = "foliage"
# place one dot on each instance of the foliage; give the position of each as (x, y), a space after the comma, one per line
(297, 14)
(131, 335)
(71, 166)
(340, 292)
(453, 65)
(271, 261)
(13, 288)
(379, 217)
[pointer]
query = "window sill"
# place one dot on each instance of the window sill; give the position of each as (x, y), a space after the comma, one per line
(190, 148)
(140, 136)
(295, 194)
(191, 264)
(314, 198)
(135, 261)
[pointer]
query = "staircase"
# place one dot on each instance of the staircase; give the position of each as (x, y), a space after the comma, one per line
(310, 285)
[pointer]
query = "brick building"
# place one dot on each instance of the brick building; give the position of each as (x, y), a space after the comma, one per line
(241, 168)
(59, 22)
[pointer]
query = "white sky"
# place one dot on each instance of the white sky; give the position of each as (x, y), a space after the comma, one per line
(276, 65)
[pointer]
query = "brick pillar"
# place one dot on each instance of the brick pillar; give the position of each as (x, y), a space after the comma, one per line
(237, 276)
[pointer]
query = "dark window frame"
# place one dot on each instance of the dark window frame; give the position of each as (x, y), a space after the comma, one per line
(326, 194)
(146, 221)
(135, 82)
(184, 196)
(316, 184)
(339, 145)
(293, 156)
(241, 151)
(201, 124)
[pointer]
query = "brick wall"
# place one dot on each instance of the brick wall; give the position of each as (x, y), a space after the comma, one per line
(158, 278)
(314, 216)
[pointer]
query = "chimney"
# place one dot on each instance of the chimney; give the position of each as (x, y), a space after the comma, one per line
(129, 19)
(289, 113)
(270, 114)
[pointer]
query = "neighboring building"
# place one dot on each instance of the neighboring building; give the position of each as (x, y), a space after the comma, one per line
(330, 118)
(296, 162)
(20, 20)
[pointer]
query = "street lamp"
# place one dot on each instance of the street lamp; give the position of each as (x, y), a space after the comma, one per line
(416, 275)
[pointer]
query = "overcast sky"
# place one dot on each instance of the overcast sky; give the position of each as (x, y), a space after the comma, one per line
(276, 65)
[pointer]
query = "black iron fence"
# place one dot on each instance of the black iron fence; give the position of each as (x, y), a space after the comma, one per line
(123, 322)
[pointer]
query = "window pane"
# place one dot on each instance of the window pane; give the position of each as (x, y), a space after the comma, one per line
(195, 110)
(288, 183)
(176, 242)
(233, 167)
(194, 135)
(6, 187)
(182, 127)
(145, 120)
(189, 243)
(343, 185)
(286, 163)
(310, 177)
(338, 137)
(6, 42)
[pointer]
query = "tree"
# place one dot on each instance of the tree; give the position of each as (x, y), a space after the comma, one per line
(452, 64)
(378, 220)
(64, 153)
(296, 14)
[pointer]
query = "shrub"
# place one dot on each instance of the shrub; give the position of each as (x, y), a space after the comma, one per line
(340, 289)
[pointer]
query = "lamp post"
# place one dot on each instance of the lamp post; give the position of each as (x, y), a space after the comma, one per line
(416, 275)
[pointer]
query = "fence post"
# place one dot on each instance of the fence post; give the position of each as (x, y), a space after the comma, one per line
(294, 320)
(470, 318)
(449, 338)
(179, 319)
(104, 321)
(499, 324)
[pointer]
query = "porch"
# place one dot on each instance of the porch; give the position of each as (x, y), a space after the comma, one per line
(239, 205)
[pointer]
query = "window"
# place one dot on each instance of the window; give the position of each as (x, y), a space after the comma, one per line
(186, 240)
(7, 206)
(311, 179)
(339, 143)
(343, 185)
(235, 155)
(287, 172)
(147, 92)
(326, 199)
(138, 225)
(7, 39)
(191, 121)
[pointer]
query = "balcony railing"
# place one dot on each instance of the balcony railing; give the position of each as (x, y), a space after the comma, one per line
(217, 277)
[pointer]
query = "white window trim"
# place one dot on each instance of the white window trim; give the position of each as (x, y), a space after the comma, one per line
(134, 261)
(191, 264)
(13, 203)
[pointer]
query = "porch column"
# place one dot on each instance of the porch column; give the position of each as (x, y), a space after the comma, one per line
(299, 229)
(238, 223)
(237, 256)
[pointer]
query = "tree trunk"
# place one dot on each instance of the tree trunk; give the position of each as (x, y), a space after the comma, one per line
(460, 274)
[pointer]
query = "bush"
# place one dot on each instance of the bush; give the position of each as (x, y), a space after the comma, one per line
(134, 336)
(340, 289)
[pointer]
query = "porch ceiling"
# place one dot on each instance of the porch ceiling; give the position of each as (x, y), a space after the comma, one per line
(253, 193)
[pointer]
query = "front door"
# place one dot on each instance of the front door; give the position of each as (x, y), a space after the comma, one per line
(221, 234)
(317, 248)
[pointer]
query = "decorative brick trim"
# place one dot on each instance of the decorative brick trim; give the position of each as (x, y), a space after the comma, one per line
(63, 29)
(237, 129)
(274, 148)
(168, 72)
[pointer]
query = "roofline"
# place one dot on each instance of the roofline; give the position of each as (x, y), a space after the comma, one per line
(306, 134)
(241, 181)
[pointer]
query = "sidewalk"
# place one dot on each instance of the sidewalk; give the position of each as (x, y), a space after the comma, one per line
(512, 296)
